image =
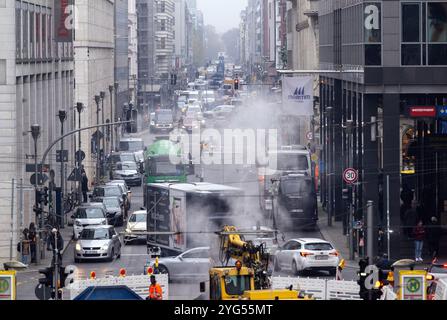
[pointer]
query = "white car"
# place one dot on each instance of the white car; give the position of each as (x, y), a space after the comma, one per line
(305, 254)
(86, 216)
(137, 222)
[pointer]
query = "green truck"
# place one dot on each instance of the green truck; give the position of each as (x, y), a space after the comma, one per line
(158, 164)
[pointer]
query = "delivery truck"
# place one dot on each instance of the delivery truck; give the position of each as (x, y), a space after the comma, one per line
(182, 216)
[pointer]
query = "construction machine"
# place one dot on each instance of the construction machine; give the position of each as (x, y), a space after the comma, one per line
(248, 279)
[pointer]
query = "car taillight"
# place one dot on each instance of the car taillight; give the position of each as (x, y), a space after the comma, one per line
(445, 266)
(305, 254)
(335, 254)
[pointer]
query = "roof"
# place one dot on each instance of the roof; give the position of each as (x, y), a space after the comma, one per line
(162, 147)
(310, 240)
(199, 187)
(139, 212)
(108, 293)
(99, 226)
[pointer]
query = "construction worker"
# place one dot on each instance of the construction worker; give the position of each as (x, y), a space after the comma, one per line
(155, 292)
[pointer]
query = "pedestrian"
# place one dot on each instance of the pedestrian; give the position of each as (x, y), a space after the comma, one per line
(84, 187)
(411, 217)
(419, 236)
(32, 237)
(155, 291)
(57, 244)
(433, 237)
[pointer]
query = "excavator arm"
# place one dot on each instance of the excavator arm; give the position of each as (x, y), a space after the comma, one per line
(233, 246)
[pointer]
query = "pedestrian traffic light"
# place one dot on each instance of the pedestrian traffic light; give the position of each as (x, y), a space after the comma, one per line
(364, 293)
(47, 281)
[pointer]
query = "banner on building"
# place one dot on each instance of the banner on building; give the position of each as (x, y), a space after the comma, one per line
(298, 96)
(64, 20)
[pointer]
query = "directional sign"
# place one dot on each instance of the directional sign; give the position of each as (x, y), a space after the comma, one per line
(61, 156)
(350, 176)
(42, 179)
(31, 168)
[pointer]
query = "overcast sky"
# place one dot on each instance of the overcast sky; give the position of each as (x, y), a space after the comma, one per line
(223, 14)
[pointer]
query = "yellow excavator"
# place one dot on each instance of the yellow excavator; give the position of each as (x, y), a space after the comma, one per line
(248, 279)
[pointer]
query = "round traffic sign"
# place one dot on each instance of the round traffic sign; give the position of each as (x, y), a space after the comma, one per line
(350, 175)
(80, 155)
(310, 136)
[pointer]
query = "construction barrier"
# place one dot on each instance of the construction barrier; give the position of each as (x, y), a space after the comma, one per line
(388, 293)
(139, 284)
(441, 290)
(321, 289)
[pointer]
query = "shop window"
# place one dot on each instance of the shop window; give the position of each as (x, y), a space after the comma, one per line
(408, 160)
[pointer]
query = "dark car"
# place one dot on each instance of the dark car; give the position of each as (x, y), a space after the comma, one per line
(115, 210)
(163, 121)
(100, 192)
(298, 201)
(117, 157)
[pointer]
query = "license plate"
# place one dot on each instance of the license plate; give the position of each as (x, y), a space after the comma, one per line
(91, 252)
(321, 257)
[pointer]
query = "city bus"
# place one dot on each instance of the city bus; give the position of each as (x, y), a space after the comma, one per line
(158, 164)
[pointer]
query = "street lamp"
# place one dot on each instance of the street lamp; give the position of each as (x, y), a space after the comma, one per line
(62, 116)
(97, 100)
(35, 132)
(112, 118)
(79, 108)
(116, 87)
(329, 162)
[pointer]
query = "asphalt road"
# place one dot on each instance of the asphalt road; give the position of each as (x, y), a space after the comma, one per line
(134, 257)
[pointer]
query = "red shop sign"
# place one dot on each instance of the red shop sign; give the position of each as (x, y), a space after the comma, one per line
(423, 111)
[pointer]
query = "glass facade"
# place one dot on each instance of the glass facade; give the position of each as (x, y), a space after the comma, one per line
(424, 33)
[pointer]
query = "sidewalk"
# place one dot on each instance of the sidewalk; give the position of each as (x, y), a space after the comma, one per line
(66, 233)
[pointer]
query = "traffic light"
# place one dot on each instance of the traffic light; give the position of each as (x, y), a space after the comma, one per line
(236, 84)
(45, 196)
(48, 273)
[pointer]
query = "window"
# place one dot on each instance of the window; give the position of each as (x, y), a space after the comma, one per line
(424, 33)
(373, 34)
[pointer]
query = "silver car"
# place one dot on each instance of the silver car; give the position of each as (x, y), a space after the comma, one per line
(97, 243)
(193, 264)
(137, 223)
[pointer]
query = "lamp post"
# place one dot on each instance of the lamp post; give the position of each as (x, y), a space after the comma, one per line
(35, 132)
(116, 87)
(62, 116)
(112, 118)
(97, 100)
(79, 108)
(102, 94)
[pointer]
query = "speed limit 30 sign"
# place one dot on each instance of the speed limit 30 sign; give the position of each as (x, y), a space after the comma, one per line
(350, 176)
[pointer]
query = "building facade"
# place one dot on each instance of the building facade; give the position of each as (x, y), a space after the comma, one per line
(94, 71)
(36, 81)
(121, 55)
(371, 119)
(133, 49)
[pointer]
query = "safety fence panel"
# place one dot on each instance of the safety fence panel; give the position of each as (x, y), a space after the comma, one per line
(316, 287)
(139, 284)
(342, 290)
(441, 290)
(388, 293)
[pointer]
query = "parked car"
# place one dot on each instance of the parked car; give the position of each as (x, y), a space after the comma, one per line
(129, 172)
(87, 215)
(305, 254)
(137, 222)
(97, 243)
(114, 209)
(193, 264)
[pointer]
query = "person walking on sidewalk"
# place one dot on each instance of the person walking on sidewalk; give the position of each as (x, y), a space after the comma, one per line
(32, 236)
(419, 236)
(84, 187)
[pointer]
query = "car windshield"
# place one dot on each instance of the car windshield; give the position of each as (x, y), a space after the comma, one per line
(140, 217)
(89, 213)
(108, 192)
(164, 117)
(95, 234)
(237, 285)
(167, 168)
(291, 162)
(112, 202)
(318, 246)
(438, 269)
(300, 187)
(126, 166)
(127, 157)
(131, 146)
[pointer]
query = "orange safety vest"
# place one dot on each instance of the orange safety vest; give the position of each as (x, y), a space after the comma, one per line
(155, 292)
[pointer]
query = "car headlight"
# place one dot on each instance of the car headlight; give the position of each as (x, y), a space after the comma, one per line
(152, 123)
(78, 224)
(105, 247)
(128, 230)
(78, 247)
